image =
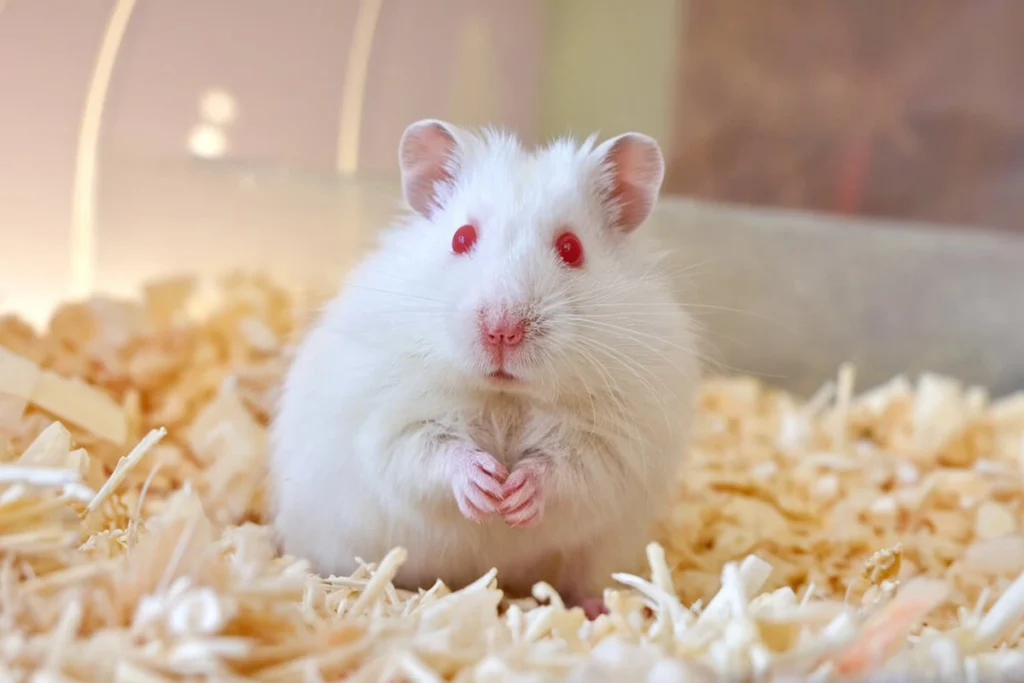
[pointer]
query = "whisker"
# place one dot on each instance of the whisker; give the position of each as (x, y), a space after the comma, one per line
(631, 333)
(659, 402)
(394, 293)
(637, 369)
(614, 395)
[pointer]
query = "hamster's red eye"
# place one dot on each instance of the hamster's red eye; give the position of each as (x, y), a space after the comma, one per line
(570, 249)
(464, 239)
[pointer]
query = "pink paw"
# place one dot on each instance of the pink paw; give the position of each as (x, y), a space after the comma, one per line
(592, 607)
(477, 483)
(522, 502)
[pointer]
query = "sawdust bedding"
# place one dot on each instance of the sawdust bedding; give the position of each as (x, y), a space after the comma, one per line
(867, 535)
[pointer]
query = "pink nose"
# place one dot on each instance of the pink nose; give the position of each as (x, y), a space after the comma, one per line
(504, 333)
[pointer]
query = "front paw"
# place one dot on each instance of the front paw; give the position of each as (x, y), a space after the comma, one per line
(477, 484)
(522, 495)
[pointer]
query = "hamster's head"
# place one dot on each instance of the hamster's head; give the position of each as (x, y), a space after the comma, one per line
(531, 275)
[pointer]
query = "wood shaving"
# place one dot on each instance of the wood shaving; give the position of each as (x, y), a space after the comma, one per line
(895, 514)
(71, 400)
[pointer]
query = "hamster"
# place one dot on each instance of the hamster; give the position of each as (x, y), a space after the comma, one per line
(506, 381)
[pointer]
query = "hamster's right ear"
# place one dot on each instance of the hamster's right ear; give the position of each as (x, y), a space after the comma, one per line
(429, 157)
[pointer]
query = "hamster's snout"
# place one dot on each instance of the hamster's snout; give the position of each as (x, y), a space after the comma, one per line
(501, 330)
(506, 333)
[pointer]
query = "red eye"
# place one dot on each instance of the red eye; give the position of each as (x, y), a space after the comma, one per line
(464, 239)
(570, 249)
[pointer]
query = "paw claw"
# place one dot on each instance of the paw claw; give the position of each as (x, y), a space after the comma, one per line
(486, 483)
(516, 501)
(522, 520)
(515, 483)
(492, 467)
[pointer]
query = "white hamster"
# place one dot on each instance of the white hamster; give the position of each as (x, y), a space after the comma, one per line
(505, 382)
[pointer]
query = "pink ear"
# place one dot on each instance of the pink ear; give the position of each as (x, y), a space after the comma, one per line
(428, 157)
(634, 170)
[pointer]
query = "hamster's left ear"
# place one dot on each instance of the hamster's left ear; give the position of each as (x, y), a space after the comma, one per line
(632, 172)
(428, 157)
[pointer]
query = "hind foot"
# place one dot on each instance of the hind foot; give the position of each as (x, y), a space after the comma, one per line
(592, 607)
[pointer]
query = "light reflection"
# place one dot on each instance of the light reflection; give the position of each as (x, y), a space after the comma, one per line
(207, 141)
(353, 88)
(83, 199)
(218, 107)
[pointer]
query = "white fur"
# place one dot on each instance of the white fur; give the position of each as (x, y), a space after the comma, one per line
(394, 370)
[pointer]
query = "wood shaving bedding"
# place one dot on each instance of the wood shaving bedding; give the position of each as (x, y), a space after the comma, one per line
(866, 536)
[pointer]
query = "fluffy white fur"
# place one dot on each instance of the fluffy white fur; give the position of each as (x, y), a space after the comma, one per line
(393, 375)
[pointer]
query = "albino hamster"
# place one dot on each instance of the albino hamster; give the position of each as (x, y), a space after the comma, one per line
(505, 382)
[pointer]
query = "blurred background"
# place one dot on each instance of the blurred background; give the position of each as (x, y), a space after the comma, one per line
(845, 179)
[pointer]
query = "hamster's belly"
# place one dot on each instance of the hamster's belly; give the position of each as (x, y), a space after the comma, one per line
(458, 556)
(440, 542)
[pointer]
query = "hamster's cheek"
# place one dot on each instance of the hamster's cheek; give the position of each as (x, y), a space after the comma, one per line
(566, 349)
(461, 343)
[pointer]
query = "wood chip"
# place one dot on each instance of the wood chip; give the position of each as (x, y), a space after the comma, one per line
(993, 520)
(68, 399)
(125, 465)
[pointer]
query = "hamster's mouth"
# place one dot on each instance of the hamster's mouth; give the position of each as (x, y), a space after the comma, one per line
(501, 377)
